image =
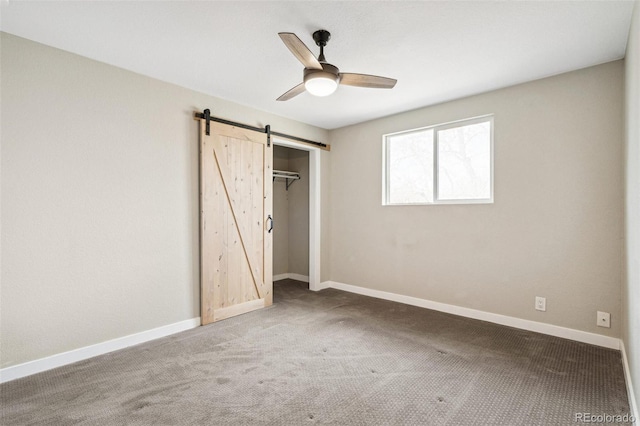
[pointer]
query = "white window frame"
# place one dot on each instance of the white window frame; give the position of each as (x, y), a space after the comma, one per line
(436, 128)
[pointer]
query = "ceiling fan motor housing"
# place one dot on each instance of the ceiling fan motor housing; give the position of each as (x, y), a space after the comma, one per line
(327, 71)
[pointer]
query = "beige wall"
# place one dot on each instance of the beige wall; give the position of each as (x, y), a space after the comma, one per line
(325, 216)
(299, 214)
(291, 209)
(280, 214)
(631, 287)
(555, 229)
(99, 184)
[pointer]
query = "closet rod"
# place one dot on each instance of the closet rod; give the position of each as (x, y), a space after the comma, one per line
(286, 175)
(290, 177)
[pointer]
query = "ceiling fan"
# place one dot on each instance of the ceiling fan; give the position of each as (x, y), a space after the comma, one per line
(320, 78)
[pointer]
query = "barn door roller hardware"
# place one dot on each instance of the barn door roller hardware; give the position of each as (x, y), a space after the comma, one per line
(206, 115)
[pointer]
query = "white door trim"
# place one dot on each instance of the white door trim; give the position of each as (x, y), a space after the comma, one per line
(314, 207)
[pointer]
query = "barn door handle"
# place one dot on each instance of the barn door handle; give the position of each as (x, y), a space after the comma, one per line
(270, 224)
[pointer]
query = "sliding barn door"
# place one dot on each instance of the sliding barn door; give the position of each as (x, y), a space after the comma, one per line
(236, 204)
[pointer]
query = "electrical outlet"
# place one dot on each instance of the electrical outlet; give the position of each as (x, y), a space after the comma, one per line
(604, 319)
(541, 303)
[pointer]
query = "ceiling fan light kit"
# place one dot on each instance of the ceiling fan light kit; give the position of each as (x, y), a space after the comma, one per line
(321, 82)
(321, 78)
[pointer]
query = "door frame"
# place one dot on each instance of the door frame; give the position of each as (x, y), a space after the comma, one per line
(314, 207)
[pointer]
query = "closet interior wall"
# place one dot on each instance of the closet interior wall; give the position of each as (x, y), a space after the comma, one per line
(291, 214)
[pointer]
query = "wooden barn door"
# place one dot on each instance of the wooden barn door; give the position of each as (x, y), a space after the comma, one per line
(236, 208)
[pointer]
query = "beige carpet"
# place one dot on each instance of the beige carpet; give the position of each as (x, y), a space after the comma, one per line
(330, 358)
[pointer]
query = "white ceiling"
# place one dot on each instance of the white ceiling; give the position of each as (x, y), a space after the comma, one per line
(438, 51)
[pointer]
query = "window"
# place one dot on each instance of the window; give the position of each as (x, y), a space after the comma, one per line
(444, 164)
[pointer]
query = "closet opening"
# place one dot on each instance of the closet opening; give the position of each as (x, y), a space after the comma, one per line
(296, 212)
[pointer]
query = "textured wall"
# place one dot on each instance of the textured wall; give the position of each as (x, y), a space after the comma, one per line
(99, 199)
(631, 288)
(555, 229)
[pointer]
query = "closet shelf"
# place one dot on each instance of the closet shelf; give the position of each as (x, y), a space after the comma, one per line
(289, 176)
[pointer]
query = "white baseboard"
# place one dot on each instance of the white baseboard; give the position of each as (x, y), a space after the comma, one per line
(323, 285)
(299, 277)
(538, 327)
(32, 367)
(627, 378)
(291, 276)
